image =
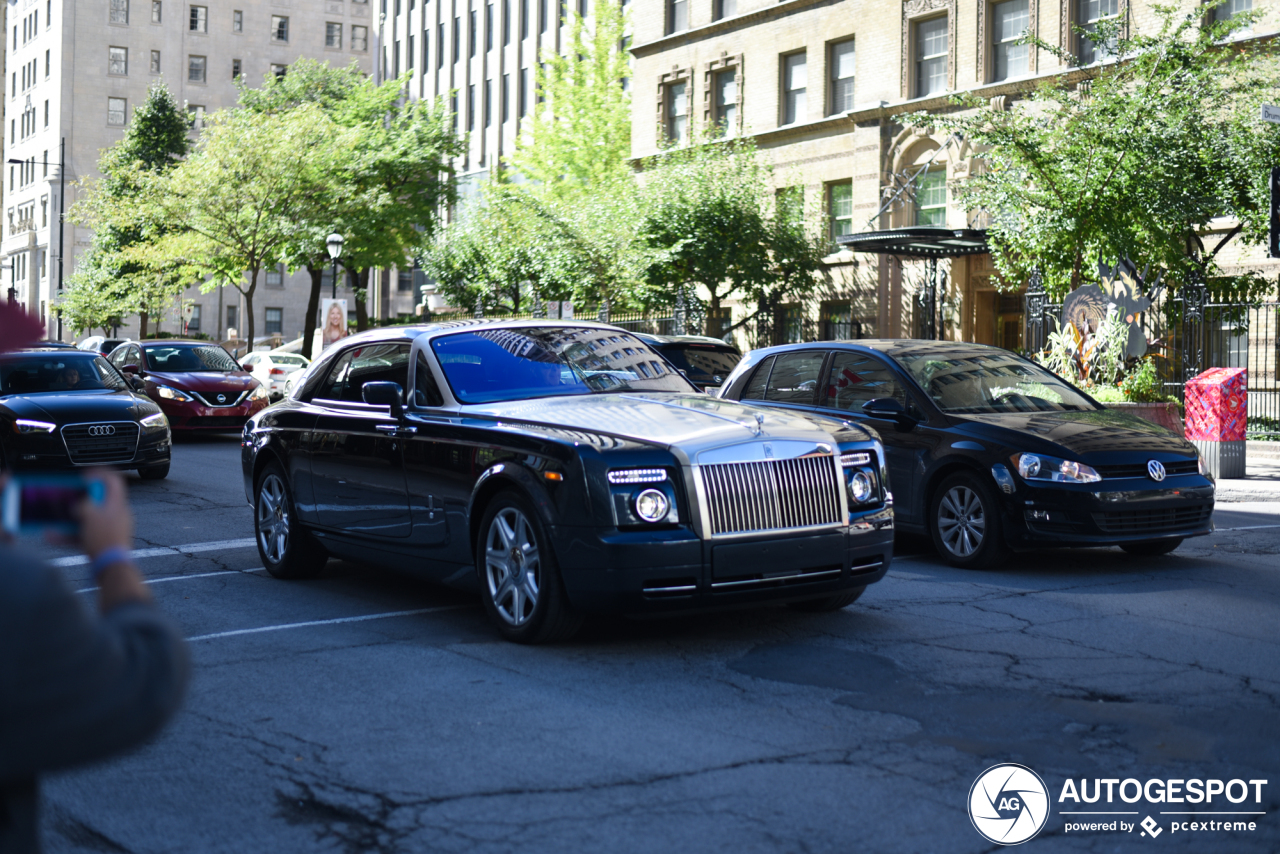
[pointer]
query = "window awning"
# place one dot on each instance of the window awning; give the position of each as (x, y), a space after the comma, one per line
(920, 241)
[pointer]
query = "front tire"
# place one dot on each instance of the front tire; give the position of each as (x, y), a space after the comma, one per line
(834, 602)
(520, 582)
(1152, 548)
(287, 549)
(964, 520)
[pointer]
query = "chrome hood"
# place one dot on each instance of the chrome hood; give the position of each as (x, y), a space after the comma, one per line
(700, 428)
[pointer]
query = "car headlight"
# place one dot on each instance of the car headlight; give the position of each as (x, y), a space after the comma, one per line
(637, 476)
(154, 420)
(172, 393)
(1043, 467)
(860, 478)
(26, 426)
(259, 393)
(652, 505)
(861, 487)
(1203, 467)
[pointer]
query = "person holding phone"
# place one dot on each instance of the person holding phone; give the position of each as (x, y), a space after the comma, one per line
(75, 686)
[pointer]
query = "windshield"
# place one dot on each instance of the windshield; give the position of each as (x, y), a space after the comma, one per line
(703, 363)
(295, 361)
(518, 364)
(58, 373)
(171, 358)
(991, 381)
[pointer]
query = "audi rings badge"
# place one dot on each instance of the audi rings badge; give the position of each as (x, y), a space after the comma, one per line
(102, 430)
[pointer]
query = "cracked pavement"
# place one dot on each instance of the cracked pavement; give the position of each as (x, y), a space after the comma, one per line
(750, 731)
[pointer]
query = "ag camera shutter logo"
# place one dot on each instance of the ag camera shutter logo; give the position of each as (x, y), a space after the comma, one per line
(1008, 804)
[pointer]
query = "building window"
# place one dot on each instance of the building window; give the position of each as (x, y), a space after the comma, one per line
(46, 124)
(677, 16)
(275, 276)
(725, 8)
(794, 81)
(931, 197)
(404, 281)
(488, 27)
(279, 70)
(725, 106)
(235, 68)
(279, 28)
(119, 15)
(193, 323)
(473, 32)
(195, 116)
(522, 96)
(677, 113)
(840, 209)
(471, 107)
(155, 11)
(232, 317)
(155, 62)
(842, 63)
(1230, 9)
(408, 54)
(116, 109)
(426, 52)
(931, 57)
(1009, 21)
(118, 61)
(199, 21)
(195, 69)
(48, 65)
(359, 37)
(504, 99)
(237, 21)
(488, 103)
(506, 21)
(274, 321)
(1090, 13)
(333, 35)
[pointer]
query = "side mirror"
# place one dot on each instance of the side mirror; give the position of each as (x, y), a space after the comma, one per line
(132, 369)
(884, 408)
(136, 382)
(385, 394)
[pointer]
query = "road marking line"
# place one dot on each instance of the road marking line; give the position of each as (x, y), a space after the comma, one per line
(334, 621)
(1211, 813)
(185, 577)
(1246, 528)
(190, 548)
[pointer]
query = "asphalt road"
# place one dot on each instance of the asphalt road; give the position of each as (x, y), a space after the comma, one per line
(320, 721)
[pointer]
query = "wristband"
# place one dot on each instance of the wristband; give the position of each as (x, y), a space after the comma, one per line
(106, 559)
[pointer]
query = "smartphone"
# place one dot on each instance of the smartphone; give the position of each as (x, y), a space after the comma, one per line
(36, 503)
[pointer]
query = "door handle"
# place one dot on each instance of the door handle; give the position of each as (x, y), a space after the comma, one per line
(395, 430)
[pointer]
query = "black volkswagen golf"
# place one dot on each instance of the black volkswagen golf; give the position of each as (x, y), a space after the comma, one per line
(988, 451)
(561, 468)
(62, 408)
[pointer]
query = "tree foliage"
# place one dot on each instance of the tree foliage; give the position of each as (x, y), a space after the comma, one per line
(1130, 159)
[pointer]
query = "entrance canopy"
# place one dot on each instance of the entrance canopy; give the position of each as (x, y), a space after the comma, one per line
(920, 241)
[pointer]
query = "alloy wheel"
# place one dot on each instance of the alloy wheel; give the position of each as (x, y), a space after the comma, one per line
(962, 521)
(273, 518)
(512, 566)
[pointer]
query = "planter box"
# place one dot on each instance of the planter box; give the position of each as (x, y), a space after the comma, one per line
(1167, 415)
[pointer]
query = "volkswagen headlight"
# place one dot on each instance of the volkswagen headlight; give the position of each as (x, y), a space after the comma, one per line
(172, 393)
(26, 426)
(1055, 469)
(259, 393)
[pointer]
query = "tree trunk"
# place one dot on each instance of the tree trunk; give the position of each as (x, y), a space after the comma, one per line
(142, 326)
(362, 299)
(248, 308)
(313, 306)
(713, 315)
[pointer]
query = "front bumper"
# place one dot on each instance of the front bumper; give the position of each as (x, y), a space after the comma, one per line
(673, 570)
(192, 416)
(1109, 513)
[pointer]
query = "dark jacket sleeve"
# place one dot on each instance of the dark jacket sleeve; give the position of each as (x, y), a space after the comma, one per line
(75, 687)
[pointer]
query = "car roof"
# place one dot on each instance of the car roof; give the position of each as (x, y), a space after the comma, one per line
(39, 348)
(384, 334)
(652, 338)
(896, 348)
(165, 342)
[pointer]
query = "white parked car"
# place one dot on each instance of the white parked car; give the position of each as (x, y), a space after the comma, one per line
(273, 368)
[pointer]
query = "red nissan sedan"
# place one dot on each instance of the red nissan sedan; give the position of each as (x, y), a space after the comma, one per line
(197, 384)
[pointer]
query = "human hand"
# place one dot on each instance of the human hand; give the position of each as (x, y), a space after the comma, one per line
(108, 524)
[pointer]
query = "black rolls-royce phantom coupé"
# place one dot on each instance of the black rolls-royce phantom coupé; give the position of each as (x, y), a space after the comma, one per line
(561, 468)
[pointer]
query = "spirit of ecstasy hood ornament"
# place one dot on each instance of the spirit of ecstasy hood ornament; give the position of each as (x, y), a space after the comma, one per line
(759, 423)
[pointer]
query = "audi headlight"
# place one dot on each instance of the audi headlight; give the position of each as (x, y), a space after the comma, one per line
(259, 393)
(172, 393)
(1043, 467)
(154, 421)
(26, 426)
(652, 505)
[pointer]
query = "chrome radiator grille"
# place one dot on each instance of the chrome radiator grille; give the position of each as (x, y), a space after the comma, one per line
(771, 495)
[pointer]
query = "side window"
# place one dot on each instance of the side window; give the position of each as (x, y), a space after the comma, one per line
(795, 377)
(378, 363)
(331, 387)
(856, 379)
(759, 380)
(425, 390)
(117, 356)
(133, 356)
(110, 379)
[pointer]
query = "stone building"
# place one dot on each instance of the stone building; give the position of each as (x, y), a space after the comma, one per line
(76, 70)
(819, 84)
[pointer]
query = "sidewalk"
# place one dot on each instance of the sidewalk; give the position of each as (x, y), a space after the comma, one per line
(1262, 475)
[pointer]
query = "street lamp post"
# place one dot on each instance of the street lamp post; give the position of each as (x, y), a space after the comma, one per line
(334, 244)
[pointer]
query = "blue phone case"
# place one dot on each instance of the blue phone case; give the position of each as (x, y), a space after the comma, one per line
(11, 501)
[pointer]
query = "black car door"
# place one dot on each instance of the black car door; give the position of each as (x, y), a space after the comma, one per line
(356, 455)
(855, 378)
(433, 465)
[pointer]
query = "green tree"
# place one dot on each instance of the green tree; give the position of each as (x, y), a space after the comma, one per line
(107, 283)
(1130, 159)
(578, 136)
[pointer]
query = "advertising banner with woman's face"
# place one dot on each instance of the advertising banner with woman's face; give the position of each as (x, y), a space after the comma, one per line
(333, 321)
